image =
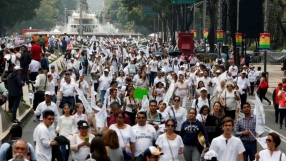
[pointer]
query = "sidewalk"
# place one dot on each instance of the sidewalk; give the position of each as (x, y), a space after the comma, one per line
(275, 75)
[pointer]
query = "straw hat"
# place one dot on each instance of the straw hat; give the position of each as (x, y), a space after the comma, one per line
(201, 139)
(229, 83)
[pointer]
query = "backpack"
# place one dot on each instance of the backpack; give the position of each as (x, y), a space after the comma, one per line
(197, 100)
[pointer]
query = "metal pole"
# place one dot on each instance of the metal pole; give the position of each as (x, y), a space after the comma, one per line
(158, 26)
(265, 30)
(65, 17)
(237, 29)
(237, 16)
(185, 18)
(194, 14)
(154, 27)
(80, 21)
(204, 23)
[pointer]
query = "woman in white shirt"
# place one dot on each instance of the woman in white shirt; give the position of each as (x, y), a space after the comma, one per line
(204, 112)
(170, 143)
(121, 79)
(154, 69)
(143, 82)
(198, 89)
(66, 127)
(229, 98)
(182, 90)
(176, 112)
(130, 106)
(271, 153)
(80, 143)
(125, 135)
(218, 90)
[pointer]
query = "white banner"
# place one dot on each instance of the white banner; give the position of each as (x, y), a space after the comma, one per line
(84, 101)
(260, 116)
(101, 116)
(145, 104)
(169, 93)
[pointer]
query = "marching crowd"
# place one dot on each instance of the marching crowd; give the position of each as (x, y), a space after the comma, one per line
(118, 128)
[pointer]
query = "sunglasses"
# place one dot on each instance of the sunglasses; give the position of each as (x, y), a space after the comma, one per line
(177, 100)
(228, 86)
(169, 125)
(268, 140)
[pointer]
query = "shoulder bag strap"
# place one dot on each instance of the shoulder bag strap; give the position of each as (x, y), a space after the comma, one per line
(170, 148)
(173, 111)
(121, 136)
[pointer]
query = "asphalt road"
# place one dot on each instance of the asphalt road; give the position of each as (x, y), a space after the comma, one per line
(269, 113)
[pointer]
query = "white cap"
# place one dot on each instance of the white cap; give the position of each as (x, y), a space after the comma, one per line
(48, 93)
(182, 66)
(244, 72)
(203, 88)
(17, 67)
(49, 73)
(210, 154)
(218, 71)
(106, 70)
(72, 58)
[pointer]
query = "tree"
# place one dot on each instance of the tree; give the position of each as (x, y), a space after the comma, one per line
(16, 11)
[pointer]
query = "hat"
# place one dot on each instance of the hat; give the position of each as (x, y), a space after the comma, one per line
(218, 71)
(67, 73)
(17, 68)
(244, 66)
(284, 84)
(106, 70)
(72, 58)
(47, 53)
(229, 73)
(203, 88)
(244, 72)
(201, 139)
(280, 83)
(53, 66)
(152, 150)
(48, 93)
(228, 83)
(70, 69)
(210, 154)
(49, 73)
(82, 123)
(252, 66)
(182, 66)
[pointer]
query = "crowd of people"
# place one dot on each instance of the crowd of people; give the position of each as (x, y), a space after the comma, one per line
(118, 128)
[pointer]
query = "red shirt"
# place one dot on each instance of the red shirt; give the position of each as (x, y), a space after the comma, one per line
(112, 120)
(36, 50)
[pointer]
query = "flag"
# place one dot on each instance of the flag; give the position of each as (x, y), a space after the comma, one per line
(84, 101)
(169, 93)
(260, 116)
(101, 115)
(145, 104)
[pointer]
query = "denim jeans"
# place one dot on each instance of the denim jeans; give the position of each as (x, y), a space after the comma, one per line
(250, 151)
(15, 102)
(192, 153)
(54, 98)
(152, 78)
(102, 94)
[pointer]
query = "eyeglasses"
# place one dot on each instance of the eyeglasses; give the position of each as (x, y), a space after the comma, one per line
(192, 113)
(141, 118)
(169, 125)
(268, 140)
(176, 100)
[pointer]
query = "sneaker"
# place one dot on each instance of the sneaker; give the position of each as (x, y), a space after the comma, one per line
(16, 121)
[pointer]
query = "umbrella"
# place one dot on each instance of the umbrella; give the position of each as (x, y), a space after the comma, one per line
(212, 55)
(175, 53)
(130, 39)
(158, 53)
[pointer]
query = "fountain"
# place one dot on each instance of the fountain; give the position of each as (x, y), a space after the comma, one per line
(90, 25)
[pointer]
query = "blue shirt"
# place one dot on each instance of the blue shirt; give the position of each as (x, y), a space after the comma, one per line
(5, 147)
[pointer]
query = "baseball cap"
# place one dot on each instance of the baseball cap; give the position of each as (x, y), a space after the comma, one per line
(72, 58)
(48, 93)
(82, 123)
(67, 73)
(218, 71)
(243, 72)
(70, 69)
(49, 73)
(152, 150)
(106, 70)
(17, 67)
(244, 66)
(252, 66)
(229, 73)
(210, 154)
(280, 83)
(203, 88)
(52, 66)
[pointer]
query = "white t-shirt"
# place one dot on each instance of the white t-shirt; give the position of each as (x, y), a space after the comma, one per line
(154, 65)
(206, 82)
(201, 102)
(125, 136)
(104, 82)
(229, 99)
(83, 86)
(229, 151)
(233, 70)
(201, 117)
(175, 145)
(68, 89)
(120, 81)
(67, 126)
(144, 137)
(43, 140)
(242, 83)
(182, 89)
(56, 77)
(181, 115)
(265, 155)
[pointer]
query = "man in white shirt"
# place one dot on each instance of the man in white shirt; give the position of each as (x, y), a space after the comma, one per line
(33, 70)
(159, 78)
(233, 69)
(72, 65)
(137, 76)
(56, 78)
(82, 85)
(145, 135)
(207, 81)
(252, 79)
(104, 83)
(243, 83)
(228, 147)
(67, 93)
(154, 69)
(44, 138)
(46, 105)
(202, 100)
(20, 150)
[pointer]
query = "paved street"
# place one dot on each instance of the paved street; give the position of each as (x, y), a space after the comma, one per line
(269, 112)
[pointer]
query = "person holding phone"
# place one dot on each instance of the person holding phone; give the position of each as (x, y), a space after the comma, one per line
(80, 143)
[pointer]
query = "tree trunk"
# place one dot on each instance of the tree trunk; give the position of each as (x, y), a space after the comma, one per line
(212, 13)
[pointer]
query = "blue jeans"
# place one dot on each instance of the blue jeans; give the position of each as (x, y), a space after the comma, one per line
(250, 151)
(54, 98)
(152, 78)
(77, 100)
(64, 152)
(192, 90)
(102, 94)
